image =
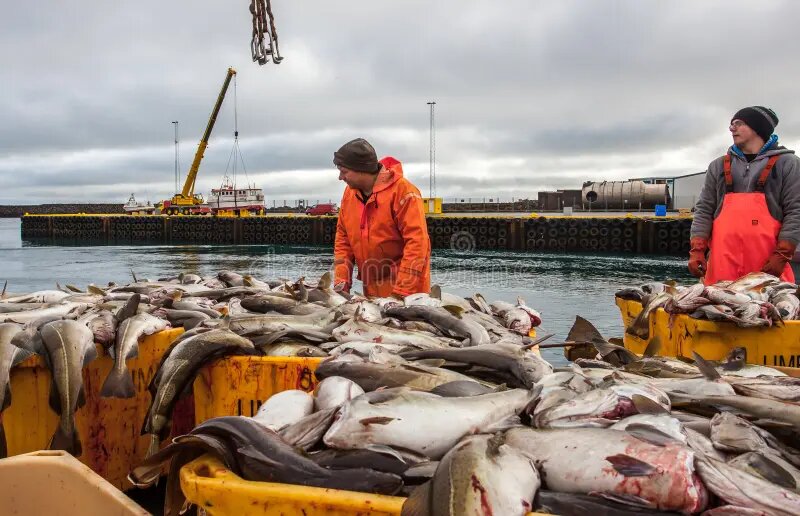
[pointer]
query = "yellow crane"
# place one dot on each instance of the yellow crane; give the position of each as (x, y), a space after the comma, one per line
(187, 202)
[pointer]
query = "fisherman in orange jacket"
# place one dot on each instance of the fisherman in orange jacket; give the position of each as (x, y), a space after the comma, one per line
(381, 227)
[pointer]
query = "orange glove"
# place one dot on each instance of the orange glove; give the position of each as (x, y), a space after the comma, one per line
(697, 257)
(782, 254)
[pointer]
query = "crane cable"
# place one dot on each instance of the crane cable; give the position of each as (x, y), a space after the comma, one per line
(261, 9)
(236, 151)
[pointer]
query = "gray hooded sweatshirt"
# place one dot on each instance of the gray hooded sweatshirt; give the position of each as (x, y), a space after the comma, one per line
(782, 191)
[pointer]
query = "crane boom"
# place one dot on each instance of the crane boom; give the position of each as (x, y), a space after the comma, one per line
(185, 200)
(188, 186)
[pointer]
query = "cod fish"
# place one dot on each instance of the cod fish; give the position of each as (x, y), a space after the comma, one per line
(70, 346)
(284, 408)
(371, 375)
(119, 383)
(589, 460)
(480, 475)
(640, 327)
(335, 391)
(356, 329)
(444, 320)
(10, 356)
(599, 407)
(40, 296)
(525, 366)
(422, 422)
(570, 504)
(731, 433)
(177, 371)
(269, 323)
(745, 490)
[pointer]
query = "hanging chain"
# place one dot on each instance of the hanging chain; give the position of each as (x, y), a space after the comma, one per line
(261, 9)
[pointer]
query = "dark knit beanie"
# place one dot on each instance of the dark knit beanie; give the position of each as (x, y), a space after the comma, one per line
(760, 119)
(357, 155)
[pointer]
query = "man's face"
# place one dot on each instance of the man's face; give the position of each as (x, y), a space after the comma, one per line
(348, 176)
(742, 133)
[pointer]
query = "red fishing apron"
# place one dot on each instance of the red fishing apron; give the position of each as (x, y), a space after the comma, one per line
(745, 234)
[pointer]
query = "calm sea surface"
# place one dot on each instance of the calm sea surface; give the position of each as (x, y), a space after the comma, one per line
(559, 285)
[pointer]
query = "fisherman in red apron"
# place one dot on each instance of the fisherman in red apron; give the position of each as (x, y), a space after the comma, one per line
(748, 212)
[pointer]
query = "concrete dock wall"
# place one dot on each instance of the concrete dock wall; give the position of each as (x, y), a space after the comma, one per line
(655, 235)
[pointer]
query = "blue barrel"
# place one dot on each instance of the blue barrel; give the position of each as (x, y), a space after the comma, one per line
(661, 210)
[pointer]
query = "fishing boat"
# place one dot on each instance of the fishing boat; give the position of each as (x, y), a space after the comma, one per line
(229, 199)
(133, 207)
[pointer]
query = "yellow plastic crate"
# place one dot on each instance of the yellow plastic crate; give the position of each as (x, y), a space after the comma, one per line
(777, 346)
(109, 428)
(54, 482)
(237, 386)
(209, 485)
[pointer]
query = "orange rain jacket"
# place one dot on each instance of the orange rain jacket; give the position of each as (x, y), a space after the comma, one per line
(387, 237)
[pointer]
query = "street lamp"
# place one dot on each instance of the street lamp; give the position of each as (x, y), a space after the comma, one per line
(432, 155)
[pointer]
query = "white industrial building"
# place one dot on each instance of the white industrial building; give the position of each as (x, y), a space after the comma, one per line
(683, 190)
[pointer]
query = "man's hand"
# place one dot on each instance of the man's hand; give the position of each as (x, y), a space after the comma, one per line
(697, 257)
(342, 286)
(777, 261)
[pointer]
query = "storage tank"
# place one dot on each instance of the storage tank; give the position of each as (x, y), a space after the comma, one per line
(624, 194)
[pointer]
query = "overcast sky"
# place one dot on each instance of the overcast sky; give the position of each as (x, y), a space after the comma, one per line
(530, 95)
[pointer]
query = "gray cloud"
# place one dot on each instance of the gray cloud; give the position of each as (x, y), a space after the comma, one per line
(530, 95)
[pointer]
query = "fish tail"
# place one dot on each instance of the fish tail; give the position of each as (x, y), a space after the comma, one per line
(118, 384)
(67, 440)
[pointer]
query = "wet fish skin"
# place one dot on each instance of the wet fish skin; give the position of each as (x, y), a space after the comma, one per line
(362, 330)
(586, 460)
(10, 355)
(640, 327)
(480, 475)
(444, 320)
(570, 504)
(119, 382)
(286, 349)
(526, 366)
(70, 346)
(40, 296)
(420, 421)
(334, 391)
(264, 456)
(742, 489)
(178, 368)
(284, 408)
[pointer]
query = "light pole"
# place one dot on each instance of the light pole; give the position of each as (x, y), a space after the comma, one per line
(175, 123)
(432, 153)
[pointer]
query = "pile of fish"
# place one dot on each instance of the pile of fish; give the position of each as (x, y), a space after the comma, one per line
(754, 300)
(494, 429)
(225, 314)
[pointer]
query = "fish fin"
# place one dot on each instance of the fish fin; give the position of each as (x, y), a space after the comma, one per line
(61, 440)
(118, 384)
(584, 331)
(134, 276)
(3, 443)
(705, 367)
(377, 420)
(619, 341)
(410, 367)
(649, 434)
(772, 472)
(77, 290)
(129, 308)
(419, 502)
(436, 292)
(538, 341)
(454, 310)
(653, 347)
(630, 466)
(503, 425)
(645, 405)
(385, 450)
(3, 293)
(500, 388)
(249, 451)
(324, 281)
(432, 362)
(422, 470)
(93, 289)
